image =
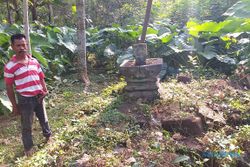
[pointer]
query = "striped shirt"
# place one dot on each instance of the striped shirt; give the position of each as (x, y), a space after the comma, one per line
(25, 77)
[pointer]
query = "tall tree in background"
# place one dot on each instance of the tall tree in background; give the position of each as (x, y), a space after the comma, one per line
(9, 15)
(104, 13)
(12, 9)
(26, 22)
(81, 35)
(51, 13)
(33, 7)
(17, 11)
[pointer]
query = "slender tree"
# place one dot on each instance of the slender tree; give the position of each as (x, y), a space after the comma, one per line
(33, 9)
(17, 10)
(81, 35)
(26, 22)
(9, 11)
(51, 13)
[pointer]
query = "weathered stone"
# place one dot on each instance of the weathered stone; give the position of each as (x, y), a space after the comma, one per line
(144, 95)
(188, 125)
(184, 79)
(140, 53)
(139, 86)
(150, 70)
(142, 81)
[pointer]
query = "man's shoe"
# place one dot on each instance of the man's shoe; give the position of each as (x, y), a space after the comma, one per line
(48, 139)
(29, 152)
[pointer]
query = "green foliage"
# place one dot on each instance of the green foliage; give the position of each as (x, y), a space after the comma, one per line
(220, 142)
(180, 11)
(81, 133)
(5, 105)
(108, 43)
(113, 117)
(237, 104)
(243, 133)
(240, 10)
(54, 47)
(216, 44)
(114, 89)
(210, 29)
(123, 12)
(221, 43)
(67, 94)
(78, 131)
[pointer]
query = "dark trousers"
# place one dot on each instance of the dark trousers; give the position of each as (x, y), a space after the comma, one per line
(27, 106)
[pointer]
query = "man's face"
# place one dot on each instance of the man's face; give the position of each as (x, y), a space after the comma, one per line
(20, 46)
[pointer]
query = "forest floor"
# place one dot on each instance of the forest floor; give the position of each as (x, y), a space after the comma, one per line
(102, 128)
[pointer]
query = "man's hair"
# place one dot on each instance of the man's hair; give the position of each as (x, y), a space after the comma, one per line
(17, 36)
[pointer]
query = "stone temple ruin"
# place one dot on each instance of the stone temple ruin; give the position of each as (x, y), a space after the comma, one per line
(142, 80)
(141, 74)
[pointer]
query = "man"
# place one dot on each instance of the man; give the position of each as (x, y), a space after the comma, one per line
(23, 73)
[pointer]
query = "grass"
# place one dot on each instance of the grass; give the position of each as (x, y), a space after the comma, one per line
(88, 128)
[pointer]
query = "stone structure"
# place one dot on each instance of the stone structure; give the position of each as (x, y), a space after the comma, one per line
(140, 52)
(141, 74)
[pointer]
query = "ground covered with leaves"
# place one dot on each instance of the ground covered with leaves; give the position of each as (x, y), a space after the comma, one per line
(101, 127)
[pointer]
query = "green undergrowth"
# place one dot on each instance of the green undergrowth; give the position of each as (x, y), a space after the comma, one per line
(80, 121)
(88, 128)
(225, 140)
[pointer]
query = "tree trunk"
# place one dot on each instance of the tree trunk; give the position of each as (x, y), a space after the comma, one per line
(16, 9)
(81, 35)
(9, 17)
(33, 10)
(26, 22)
(51, 13)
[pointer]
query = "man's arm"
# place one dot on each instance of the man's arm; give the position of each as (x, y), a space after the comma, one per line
(42, 80)
(45, 90)
(11, 95)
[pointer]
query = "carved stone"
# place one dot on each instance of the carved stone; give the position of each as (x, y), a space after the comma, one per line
(140, 53)
(142, 81)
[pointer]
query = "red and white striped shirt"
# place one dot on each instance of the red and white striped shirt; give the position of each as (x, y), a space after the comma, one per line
(26, 77)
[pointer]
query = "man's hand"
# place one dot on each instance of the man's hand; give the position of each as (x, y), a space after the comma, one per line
(11, 95)
(15, 111)
(41, 97)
